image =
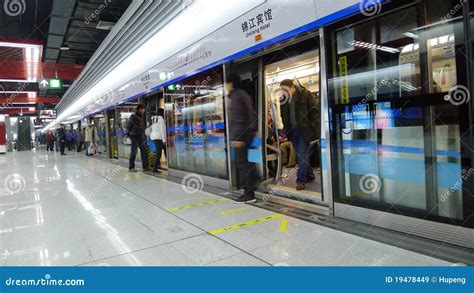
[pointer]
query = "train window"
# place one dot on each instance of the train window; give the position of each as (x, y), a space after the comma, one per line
(375, 61)
(395, 56)
(444, 34)
(196, 125)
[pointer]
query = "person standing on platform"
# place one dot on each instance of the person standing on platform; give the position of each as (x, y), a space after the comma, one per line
(56, 141)
(68, 139)
(136, 132)
(79, 139)
(62, 139)
(158, 135)
(50, 141)
(243, 127)
(74, 139)
(89, 138)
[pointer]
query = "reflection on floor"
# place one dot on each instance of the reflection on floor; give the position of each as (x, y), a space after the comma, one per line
(77, 210)
(287, 183)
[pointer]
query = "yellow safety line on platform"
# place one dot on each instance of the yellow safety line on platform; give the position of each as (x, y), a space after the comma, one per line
(203, 197)
(283, 225)
(246, 224)
(232, 211)
(196, 205)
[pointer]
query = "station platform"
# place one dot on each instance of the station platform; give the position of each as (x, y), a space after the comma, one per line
(75, 210)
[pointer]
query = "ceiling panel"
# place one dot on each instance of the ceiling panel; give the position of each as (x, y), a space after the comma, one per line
(54, 24)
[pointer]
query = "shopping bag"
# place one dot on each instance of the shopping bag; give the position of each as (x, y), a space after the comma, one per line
(148, 131)
(91, 150)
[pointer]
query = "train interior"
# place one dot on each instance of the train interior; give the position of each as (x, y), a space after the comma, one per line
(304, 71)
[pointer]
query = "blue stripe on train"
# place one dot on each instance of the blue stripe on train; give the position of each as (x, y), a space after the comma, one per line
(372, 145)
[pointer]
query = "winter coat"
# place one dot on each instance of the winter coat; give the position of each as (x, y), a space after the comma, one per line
(136, 125)
(243, 119)
(307, 114)
(158, 130)
(89, 134)
(50, 139)
(62, 134)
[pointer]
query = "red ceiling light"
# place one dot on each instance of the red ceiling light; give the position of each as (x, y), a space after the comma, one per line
(31, 58)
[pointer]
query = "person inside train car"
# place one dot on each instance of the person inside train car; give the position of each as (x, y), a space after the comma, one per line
(136, 132)
(62, 138)
(300, 117)
(288, 153)
(243, 127)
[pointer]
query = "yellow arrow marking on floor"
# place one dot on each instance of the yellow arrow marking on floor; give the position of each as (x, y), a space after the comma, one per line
(196, 205)
(232, 211)
(246, 224)
(283, 225)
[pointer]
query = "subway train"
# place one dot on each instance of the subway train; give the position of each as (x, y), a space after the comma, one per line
(393, 87)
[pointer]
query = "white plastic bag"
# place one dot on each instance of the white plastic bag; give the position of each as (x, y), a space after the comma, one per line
(148, 131)
(91, 149)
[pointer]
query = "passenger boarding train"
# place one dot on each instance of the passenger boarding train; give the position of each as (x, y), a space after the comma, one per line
(392, 79)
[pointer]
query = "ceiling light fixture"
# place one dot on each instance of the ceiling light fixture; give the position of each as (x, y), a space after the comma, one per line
(370, 46)
(13, 80)
(29, 93)
(32, 53)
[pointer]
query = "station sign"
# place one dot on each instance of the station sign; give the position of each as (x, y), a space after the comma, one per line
(50, 83)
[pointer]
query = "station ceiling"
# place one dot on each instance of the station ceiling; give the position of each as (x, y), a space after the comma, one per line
(48, 39)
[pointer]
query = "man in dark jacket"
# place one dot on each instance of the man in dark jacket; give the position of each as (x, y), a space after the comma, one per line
(243, 126)
(136, 132)
(62, 138)
(301, 115)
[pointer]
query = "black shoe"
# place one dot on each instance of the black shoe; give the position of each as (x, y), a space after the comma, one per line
(157, 171)
(245, 199)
